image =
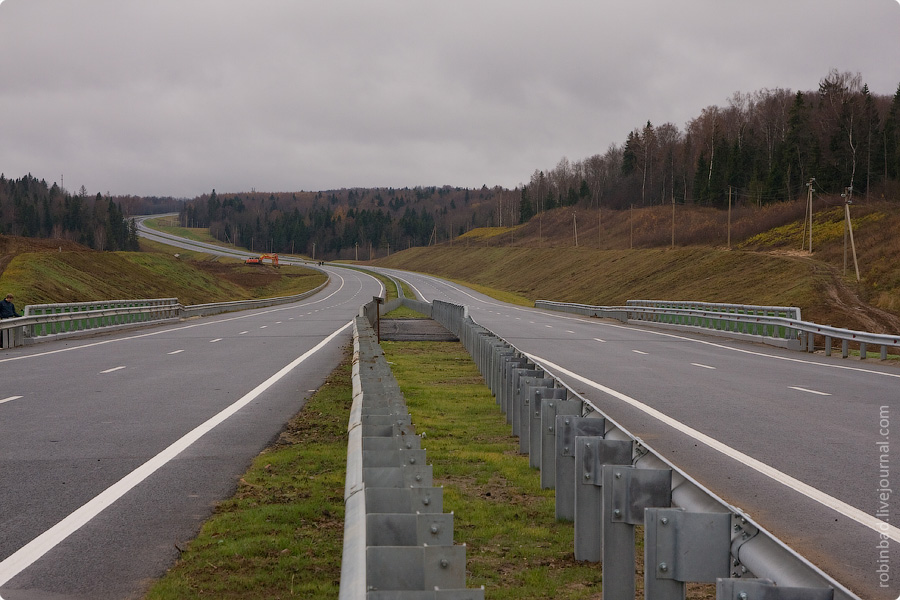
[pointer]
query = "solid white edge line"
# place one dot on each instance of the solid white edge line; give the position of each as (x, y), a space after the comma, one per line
(807, 490)
(10, 399)
(35, 549)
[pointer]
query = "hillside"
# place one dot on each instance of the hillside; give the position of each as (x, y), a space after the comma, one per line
(51, 271)
(614, 262)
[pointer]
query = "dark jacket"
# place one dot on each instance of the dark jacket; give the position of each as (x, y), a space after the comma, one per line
(8, 310)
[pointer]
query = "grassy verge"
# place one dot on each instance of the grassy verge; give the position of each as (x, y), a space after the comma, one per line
(515, 547)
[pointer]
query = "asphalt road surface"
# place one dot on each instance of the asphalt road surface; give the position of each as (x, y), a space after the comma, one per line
(97, 491)
(799, 441)
(114, 449)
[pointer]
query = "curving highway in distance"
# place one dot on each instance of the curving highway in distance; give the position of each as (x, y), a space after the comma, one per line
(114, 449)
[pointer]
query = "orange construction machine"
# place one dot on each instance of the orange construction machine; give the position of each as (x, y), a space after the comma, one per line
(259, 260)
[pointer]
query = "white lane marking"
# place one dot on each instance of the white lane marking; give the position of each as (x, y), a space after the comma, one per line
(10, 399)
(111, 370)
(35, 549)
(703, 366)
(569, 331)
(549, 326)
(639, 352)
(807, 490)
(244, 333)
(264, 327)
(278, 322)
(599, 340)
(176, 352)
(808, 391)
(215, 340)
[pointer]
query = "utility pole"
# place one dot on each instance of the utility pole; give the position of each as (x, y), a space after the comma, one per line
(729, 219)
(673, 219)
(599, 225)
(631, 226)
(357, 251)
(848, 226)
(809, 207)
(575, 227)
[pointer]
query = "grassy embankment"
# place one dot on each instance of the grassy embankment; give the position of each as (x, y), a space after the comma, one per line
(38, 275)
(764, 266)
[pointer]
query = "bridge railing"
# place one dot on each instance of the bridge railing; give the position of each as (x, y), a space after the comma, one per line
(607, 480)
(764, 324)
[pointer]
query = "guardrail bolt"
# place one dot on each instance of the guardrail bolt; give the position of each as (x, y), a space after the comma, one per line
(743, 596)
(444, 563)
(617, 513)
(663, 567)
(664, 521)
(434, 529)
(587, 476)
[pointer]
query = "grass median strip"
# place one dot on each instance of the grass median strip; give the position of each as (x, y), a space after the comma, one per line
(281, 535)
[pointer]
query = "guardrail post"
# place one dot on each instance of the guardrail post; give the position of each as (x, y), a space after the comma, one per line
(506, 385)
(550, 409)
(863, 351)
(535, 442)
(627, 491)
(682, 546)
(515, 396)
(591, 453)
(845, 348)
(828, 343)
(568, 429)
(527, 385)
(749, 589)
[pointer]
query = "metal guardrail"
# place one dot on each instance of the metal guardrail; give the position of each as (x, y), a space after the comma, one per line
(775, 330)
(44, 322)
(398, 542)
(789, 312)
(608, 480)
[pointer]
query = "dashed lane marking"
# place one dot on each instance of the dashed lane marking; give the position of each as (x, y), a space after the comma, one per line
(111, 370)
(808, 391)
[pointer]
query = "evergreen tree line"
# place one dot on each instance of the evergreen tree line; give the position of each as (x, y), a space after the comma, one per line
(31, 208)
(342, 223)
(762, 147)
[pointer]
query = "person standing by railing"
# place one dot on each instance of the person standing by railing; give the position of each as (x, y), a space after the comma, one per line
(7, 308)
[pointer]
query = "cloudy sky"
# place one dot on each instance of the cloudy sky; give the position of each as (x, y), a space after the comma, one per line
(177, 97)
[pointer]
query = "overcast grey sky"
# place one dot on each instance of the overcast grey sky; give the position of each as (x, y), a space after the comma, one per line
(177, 97)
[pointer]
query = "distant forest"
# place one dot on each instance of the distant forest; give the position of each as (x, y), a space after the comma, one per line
(31, 208)
(762, 147)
